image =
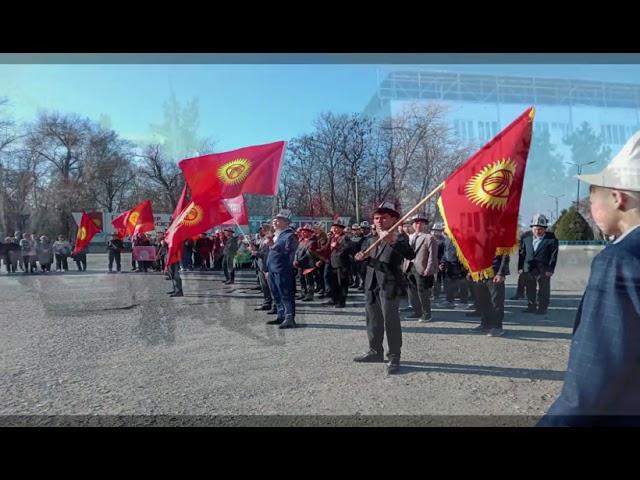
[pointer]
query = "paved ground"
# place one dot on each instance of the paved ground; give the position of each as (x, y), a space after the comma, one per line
(83, 347)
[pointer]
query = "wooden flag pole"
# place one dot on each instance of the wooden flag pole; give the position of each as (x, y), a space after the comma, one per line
(246, 239)
(407, 215)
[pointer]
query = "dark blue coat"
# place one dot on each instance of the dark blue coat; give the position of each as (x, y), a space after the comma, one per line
(602, 383)
(282, 253)
(543, 259)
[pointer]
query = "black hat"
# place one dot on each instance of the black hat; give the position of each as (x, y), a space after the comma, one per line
(419, 218)
(387, 207)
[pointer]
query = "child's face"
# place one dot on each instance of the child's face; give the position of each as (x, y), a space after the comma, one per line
(604, 209)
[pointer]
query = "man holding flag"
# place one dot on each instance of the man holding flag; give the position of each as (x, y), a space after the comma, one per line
(86, 231)
(197, 217)
(479, 203)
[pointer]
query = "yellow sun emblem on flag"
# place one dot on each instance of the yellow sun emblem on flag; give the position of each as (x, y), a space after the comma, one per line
(491, 186)
(82, 233)
(133, 218)
(193, 216)
(235, 171)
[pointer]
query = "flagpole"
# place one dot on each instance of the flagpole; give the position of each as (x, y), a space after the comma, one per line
(407, 215)
(246, 239)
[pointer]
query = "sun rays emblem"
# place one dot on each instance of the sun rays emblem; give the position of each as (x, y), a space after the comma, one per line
(235, 171)
(82, 233)
(133, 218)
(491, 186)
(194, 216)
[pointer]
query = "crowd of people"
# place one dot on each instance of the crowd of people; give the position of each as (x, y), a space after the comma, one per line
(416, 264)
(28, 254)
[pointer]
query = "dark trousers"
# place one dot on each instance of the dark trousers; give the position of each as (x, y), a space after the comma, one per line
(420, 292)
(46, 267)
(187, 259)
(307, 282)
(114, 256)
(12, 262)
(490, 302)
(339, 285)
(318, 275)
(266, 290)
(361, 272)
(283, 287)
(438, 284)
(61, 262)
(327, 278)
(522, 281)
(206, 261)
(81, 261)
(353, 275)
(455, 286)
(539, 281)
(303, 281)
(29, 265)
(227, 268)
(383, 316)
(174, 270)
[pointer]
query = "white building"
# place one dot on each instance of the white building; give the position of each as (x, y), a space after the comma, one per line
(481, 105)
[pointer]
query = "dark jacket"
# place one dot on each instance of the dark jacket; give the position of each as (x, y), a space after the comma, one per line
(501, 265)
(230, 246)
(262, 254)
(601, 385)
(384, 265)
(543, 259)
(341, 254)
(115, 245)
(282, 252)
(303, 255)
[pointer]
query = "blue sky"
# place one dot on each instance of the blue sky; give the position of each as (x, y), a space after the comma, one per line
(239, 104)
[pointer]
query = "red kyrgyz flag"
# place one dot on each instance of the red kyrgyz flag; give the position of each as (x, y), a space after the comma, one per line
(236, 208)
(86, 231)
(119, 224)
(182, 202)
(480, 201)
(253, 169)
(196, 218)
(137, 220)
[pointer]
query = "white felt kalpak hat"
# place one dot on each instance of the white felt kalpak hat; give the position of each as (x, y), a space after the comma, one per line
(623, 173)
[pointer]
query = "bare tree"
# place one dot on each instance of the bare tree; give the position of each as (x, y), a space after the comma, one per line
(356, 148)
(108, 170)
(60, 141)
(159, 171)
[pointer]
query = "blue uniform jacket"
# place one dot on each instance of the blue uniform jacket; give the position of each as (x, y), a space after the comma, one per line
(602, 383)
(282, 253)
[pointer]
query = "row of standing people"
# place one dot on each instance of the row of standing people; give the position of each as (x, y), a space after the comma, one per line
(26, 252)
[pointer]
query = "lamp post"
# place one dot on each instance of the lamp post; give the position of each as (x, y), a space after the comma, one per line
(580, 165)
(556, 197)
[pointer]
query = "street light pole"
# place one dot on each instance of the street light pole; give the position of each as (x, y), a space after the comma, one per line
(556, 197)
(580, 165)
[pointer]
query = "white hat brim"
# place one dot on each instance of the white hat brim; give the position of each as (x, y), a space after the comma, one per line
(608, 179)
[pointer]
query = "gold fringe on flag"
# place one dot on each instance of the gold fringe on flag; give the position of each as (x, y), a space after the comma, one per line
(487, 273)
